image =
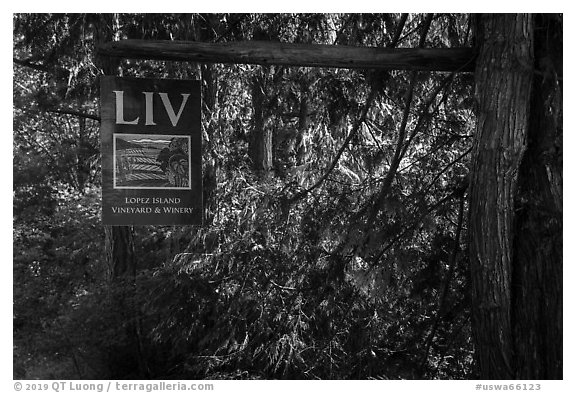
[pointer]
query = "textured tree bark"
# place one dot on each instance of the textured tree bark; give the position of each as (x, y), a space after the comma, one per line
(119, 242)
(119, 246)
(260, 146)
(306, 55)
(537, 262)
(503, 84)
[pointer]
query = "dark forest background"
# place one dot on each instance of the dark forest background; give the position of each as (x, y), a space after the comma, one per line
(336, 211)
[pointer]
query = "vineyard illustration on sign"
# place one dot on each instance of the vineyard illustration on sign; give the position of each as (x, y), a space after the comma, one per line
(144, 161)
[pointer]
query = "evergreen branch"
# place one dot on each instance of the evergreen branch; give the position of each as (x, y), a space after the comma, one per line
(445, 169)
(231, 28)
(455, 335)
(371, 124)
(34, 144)
(29, 64)
(334, 162)
(414, 225)
(75, 113)
(444, 295)
(425, 27)
(429, 153)
(425, 108)
(399, 29)
(400, 145)
(282, 287)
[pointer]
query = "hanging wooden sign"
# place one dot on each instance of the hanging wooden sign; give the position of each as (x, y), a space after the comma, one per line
(151, 152)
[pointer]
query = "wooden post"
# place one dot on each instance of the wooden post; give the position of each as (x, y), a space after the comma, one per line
(119, 240)
(306, 55)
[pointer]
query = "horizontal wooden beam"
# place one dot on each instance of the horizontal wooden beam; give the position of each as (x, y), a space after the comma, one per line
(304, 55)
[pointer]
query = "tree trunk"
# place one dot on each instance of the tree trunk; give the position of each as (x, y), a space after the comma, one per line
(119, 240)
(503, 84)
(537, 262)
(119, 246)
(260, 147)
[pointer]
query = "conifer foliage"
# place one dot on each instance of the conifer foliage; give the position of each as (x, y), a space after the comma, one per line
(343, 256)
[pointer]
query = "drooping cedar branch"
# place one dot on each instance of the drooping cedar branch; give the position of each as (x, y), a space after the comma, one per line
(72, 112)
(289, 54)
(334, 162)
(444, 294)
(361, 120)
(34, 143)
(31, 64)
(399, 29)
(400, 144)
